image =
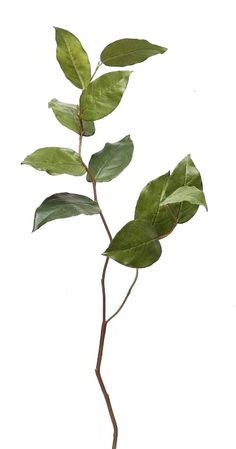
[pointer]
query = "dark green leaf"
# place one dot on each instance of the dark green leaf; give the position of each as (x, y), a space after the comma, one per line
(112, 160)
(67, 115)
(149, 206)
(185, 174)
(72, 58)
(186, 193)
(56, 161)
(103, 95)
(63, 205)
(136, 245)
(128, 52)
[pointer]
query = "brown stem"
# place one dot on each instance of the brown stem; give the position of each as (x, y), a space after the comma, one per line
(104, 320)
(102, 386)
(126, 297)
(104, 323)
(95, 196)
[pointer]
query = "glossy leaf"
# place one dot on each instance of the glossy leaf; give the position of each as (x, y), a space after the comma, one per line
(63, 205)
(185, 174)
(56, 161)
(125, 52)
(149, 206)
(112, 160)
(190, 194)
(136, 245)
(67, 115)
(103, 95)
(72, 58)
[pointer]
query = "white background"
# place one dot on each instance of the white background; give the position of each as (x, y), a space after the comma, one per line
(169, 361)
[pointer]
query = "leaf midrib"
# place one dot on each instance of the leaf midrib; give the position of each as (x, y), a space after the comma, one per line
(126, 54)
(73, 61)
(95, 97)
(135, 246)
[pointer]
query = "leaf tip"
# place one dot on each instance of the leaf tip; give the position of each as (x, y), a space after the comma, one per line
(106, 253)
(52, 102)
(34, 227)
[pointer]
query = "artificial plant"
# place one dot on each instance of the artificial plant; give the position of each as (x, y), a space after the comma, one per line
(166, 201)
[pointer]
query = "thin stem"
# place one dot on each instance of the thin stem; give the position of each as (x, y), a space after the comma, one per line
(104, 320)
(104, 289)
(126, 297)
(105, 225)
(95, 71)
(95, 196)
(102, 386)
(104, 323)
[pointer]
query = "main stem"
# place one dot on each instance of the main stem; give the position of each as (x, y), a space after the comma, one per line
(101, 383)
(104, 319)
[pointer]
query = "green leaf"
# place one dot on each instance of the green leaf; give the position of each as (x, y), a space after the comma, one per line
(103, 95)
(63, 205)
(56, 161)
(112, 160)
(72, 58)
(149, 206)
(128, 52)
(68, 115)
(185, 174)
(136, 245)
(186, 193)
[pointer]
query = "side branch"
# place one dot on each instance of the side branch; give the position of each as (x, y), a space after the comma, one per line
(126, 297)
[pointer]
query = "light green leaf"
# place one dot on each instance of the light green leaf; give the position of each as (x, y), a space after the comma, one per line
(72, 58)
(56, 161)
(112, 160)
(128, 52)
(136, 245)
(186, 193)
(185, 174)
(149, 206)
(63, 205)
(68, 115)
(103, 95)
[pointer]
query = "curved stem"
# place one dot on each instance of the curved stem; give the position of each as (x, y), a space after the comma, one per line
(95, 196)
(104, 323)
(104, 320)
(99, 359)
(103, 388)
(104, 289)
(126, 297)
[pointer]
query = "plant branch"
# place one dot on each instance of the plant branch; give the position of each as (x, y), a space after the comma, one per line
(95, 196)
(104, 289)
(102, 386)
(95, 71)
(104, 320)
(126, 297)
(104, 323)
